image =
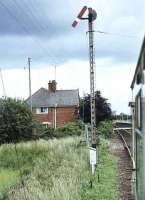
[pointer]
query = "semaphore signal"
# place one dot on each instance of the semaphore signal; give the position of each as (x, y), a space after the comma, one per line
(91, 17)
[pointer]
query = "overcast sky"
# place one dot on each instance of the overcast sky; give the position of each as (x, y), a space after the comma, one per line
(42, 30)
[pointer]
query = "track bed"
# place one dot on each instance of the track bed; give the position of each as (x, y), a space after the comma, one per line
(124, 167)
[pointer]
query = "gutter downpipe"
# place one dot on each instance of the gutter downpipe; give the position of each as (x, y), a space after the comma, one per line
(55, 116)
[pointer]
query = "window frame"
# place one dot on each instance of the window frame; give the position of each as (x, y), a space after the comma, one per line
(41, 111)
(138, 110)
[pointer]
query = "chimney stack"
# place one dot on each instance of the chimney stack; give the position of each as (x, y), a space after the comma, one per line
(52, 86)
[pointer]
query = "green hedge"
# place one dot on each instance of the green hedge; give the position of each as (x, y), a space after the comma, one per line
(104, 129)
(69, 129)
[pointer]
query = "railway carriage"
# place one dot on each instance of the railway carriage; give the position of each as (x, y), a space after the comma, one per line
(138, 122)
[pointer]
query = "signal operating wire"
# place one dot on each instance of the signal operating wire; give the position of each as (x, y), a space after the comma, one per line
(115, 34)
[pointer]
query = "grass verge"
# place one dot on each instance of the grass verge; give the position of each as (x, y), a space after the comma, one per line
(104, 183)
(60, 171)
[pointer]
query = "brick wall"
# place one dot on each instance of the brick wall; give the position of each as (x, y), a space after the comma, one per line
(63, 115)
(43, 117)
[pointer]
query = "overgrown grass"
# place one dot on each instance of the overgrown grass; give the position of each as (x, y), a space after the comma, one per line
(105, 180)
(59, 171)
(8, 178)
(18, 161)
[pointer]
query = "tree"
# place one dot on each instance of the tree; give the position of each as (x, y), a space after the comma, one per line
(103, 109)
(16, 121)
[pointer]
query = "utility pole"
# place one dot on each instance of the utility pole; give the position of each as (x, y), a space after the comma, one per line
(92, 15)
(30, 93)
(2, 80)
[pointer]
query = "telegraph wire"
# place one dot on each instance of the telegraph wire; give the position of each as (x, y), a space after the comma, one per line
(13, 16)
(36, 23)
(36, 27)
(26, 30)
(32, 8)
(15, 144)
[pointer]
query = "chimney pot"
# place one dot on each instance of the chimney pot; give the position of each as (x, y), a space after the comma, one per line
(52, 86)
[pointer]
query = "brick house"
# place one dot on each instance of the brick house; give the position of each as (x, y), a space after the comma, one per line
(55, 107)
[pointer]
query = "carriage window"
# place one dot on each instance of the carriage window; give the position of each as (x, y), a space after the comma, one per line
(144, 60)
(138, 110)
(139, 78)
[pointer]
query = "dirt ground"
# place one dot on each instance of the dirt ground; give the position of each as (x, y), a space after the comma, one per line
(124, 168)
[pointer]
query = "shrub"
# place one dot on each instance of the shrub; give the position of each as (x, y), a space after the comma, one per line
(16, 121)
(70, 129)
(47, 133)
(105, 129)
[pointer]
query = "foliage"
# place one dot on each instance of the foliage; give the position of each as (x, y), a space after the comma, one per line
(106, 187)
(69, 129)
(17, 124)
(105, 128)
(47, 132)
(121, 116)
(103, 110)
(61, 172)
(16, 121)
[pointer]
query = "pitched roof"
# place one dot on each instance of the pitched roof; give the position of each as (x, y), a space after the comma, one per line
(59, 98)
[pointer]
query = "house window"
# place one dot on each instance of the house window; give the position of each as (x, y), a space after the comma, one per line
(138, 110)
(42, 110)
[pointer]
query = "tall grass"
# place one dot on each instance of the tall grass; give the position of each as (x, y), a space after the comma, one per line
(59, 174)
(8, 178)
(15, 166)
(59, 170)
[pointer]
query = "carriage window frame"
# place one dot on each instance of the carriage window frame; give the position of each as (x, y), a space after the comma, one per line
(139, 78)
(138, 113)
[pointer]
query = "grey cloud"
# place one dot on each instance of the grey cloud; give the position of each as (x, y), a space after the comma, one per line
(36, 18)
(42, 30)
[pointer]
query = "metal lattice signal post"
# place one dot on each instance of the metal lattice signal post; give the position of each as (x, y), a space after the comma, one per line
(92, 77)
(92, 15)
